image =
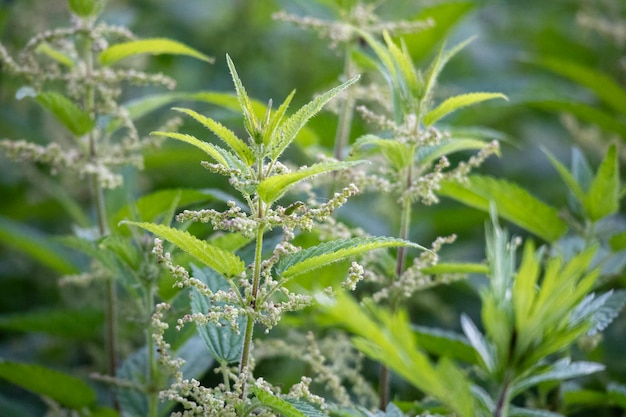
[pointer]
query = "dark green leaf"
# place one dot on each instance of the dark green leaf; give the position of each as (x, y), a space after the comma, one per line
(78, 324)
(602, 199)
(66, 112)
(276, 404)
(224, 343)
(67, 390)
(155, 46)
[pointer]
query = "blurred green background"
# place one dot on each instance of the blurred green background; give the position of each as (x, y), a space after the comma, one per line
(272, 58)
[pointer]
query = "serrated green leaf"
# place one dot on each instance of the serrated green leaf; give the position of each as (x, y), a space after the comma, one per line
(602, 199)
(428, 154)
(608, 310)
(276, 404)
(274, 187)
(67, 390)
(435, 68)
(250, 119)
(218, 154)
(74, 324)
(397, 153)
(513, 203)
(454, 103)
(276, 119)
(66, 112)
(224, 343)
(226, 135)
(154, 46)
(562, 370)
(307, 409)
(603, 85)
(333, 251)
(288, 130)
(220, 260)
(54, 54)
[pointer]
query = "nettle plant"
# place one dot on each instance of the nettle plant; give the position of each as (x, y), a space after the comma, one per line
(230, 298)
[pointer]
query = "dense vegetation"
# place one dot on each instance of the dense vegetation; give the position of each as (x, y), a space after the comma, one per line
(308, 208)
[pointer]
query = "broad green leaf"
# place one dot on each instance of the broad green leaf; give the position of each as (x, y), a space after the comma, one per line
(274, 403)
(36, 245)
(307, 409)
(155, 46)
(224, 343)
(560, 371)
(454, 103)
(289, 128)
(226, 135)
(328, 252)
(585, 397)
(399, 154)
(604, 86)
(221, 261)
(568, 178)
(602, 199)
(86, 8)
(218, 154)
(274, 187)
(617, 394)
(54, 54)
(513, 203)
(73, 324)
(66, 112)
(607, 311)
(67, 390)
(480, 344)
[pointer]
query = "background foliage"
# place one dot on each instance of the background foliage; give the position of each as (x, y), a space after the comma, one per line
(561, 64)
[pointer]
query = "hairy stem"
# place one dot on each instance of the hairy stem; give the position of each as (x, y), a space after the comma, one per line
(405, 227)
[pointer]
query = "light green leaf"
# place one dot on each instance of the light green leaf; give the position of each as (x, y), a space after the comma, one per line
(513, 203)
(618, 241)
(54, 54)
(431, 76)
(454, 103)
(603, 85)
(290, 127)
(560, 371)
(334, 251)
(73, 324)
(532, 412)
(399, 154)
(86, 8)
(226, 135)
(67, 390)
(272, 188)
(480, 344)
(276, 119)
(602, 199)
(445, 343)
(428, 154)
(250, 119)
(575, 188)
(66, 112)
(224, 343)
(214, 151)
(155, 46)
(306, 408)
(221, 261)
(276, 404)
(457, 268)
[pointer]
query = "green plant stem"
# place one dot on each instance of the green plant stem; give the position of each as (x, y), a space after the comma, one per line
(347, 109)
(256, 273)
(502, 405)
(151, 378)
(101, 215)
(405, 228)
